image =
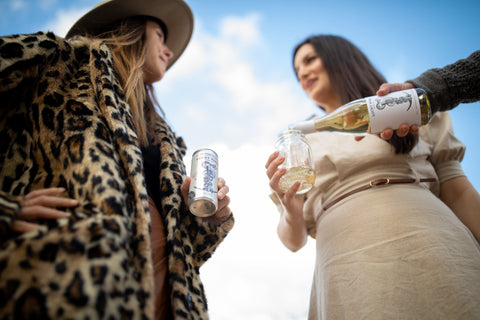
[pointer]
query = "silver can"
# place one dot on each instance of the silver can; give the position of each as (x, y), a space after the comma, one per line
(202, 195)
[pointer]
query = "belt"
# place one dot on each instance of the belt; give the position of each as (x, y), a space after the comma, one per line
(375, 183)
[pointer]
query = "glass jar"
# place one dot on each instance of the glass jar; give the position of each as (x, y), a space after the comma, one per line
(293, 145)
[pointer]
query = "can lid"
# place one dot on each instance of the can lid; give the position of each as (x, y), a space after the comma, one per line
(206, 149)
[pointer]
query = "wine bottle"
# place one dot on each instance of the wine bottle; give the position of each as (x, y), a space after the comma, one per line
(373, 114)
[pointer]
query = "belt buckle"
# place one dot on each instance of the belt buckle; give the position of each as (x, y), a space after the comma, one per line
(379, 182)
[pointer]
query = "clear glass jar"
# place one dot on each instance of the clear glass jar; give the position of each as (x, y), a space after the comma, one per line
(293, 145)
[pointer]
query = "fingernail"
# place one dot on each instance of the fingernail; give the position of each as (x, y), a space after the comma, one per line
(220, 194)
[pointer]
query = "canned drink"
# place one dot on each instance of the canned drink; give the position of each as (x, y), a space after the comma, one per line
(202, 195)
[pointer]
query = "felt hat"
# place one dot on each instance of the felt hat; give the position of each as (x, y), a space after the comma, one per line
(175, 14)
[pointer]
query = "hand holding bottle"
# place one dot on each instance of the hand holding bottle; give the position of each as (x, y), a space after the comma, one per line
(385, 89)
(372, 114)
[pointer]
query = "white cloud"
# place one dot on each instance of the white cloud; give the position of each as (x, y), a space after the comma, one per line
(47, 4)
(225, 72)
(194, 59)
(64, 20)
(17, 5)
(244, 30)
(196, 113)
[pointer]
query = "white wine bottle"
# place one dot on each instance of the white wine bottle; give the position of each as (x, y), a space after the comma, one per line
(373, 114)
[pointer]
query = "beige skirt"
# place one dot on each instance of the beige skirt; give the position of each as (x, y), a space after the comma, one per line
(395, 252)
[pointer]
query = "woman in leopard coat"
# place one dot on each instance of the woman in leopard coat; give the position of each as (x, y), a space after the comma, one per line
(92, 178)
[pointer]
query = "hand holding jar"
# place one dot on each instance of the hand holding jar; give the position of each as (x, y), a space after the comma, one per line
(296, 154)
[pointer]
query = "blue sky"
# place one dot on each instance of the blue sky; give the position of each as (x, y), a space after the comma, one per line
(234, 90)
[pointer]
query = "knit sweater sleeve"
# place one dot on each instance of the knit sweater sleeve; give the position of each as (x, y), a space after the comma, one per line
(453, 84)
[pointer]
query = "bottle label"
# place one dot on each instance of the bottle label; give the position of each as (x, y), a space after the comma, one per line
(393, 110)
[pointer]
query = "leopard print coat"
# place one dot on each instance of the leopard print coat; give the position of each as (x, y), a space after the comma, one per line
(64, 122)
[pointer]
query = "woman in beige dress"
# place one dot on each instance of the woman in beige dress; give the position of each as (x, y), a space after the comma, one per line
(407, 245)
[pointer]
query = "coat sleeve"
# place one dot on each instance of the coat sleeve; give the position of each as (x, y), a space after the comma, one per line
(22, 58)
(9, 206)
(206, 244)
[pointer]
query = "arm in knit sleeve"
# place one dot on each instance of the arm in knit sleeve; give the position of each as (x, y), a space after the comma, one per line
(453, 84)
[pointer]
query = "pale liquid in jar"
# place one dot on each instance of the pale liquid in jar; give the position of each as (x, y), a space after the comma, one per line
(304, 174)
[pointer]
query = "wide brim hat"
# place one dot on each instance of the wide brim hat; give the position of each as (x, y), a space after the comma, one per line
(175, 14)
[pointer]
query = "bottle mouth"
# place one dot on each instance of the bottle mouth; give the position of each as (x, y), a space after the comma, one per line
(289, 131)
(288, 134)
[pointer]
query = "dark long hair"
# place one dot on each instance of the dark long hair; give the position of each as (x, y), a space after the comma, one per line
(352, 76)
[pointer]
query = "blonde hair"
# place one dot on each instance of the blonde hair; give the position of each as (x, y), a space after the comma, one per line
(126, 41)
